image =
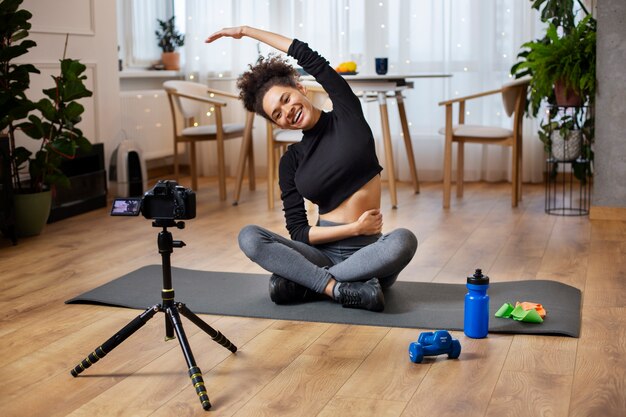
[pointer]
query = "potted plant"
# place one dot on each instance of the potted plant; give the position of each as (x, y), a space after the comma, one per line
(169, 39)
(51, 121)
(562, 66)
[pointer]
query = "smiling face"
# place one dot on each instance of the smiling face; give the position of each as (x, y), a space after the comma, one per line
(289, 108)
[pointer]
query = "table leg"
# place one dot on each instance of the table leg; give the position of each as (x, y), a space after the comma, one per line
(407, 141)
(384, 117)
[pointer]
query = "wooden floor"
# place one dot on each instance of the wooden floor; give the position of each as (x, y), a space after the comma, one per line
(315, 369)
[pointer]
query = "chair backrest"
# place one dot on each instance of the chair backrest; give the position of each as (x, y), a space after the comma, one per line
(511, 93)
(189, 108)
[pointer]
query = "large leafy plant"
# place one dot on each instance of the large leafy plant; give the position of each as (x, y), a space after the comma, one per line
(570, 58)
(566, 54)
(51, 121)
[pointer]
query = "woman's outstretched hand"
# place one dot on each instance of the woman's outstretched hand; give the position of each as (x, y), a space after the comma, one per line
(234, 32)
(272, 39)
(370, 222)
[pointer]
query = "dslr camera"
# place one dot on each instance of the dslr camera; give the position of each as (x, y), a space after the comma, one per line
(165, 201)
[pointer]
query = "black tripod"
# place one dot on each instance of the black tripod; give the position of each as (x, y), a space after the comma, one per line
(173, 324)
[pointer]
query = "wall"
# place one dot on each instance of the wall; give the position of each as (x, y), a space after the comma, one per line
(610, 144)
(92, 39)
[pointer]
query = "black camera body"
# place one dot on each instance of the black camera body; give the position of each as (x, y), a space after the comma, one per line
(165, 201)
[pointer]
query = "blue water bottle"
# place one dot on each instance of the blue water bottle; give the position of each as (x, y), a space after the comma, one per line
(476, 320)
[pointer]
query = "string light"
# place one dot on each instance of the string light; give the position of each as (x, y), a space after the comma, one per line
(382, 26)
(465, 69)
(158, 125)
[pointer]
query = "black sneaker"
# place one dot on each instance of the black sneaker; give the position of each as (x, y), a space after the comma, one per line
(284, 291)
(366, 295)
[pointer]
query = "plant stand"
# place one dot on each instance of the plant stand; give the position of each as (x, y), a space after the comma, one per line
(565, 194)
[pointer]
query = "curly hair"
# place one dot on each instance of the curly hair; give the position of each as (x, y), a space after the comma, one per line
(265, 74)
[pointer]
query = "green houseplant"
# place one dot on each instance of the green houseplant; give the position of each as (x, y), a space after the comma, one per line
(51, 121)
(169, 39)
(556, 62)
(562, 66)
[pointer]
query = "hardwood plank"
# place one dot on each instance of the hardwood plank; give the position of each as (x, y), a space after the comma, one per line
(599, 387)
(387, 373)
(530, 394)
(464, 386)
(166, 376)
(361, 407)
(313, 378)
(240, 377)
(548, 355)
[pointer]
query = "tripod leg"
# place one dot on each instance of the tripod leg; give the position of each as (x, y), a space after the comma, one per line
(101, 351)
(215, 334)
(194, 372)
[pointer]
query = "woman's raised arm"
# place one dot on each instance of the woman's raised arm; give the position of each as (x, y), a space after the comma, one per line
(274, 40)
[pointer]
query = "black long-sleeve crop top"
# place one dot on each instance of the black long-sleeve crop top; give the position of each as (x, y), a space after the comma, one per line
(335, 158)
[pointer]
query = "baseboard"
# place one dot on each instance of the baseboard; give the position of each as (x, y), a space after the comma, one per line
(607, 213)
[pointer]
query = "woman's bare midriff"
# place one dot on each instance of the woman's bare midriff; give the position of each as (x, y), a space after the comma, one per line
(366, 198)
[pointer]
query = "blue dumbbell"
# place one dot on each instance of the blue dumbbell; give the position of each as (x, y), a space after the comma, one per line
(433, 344)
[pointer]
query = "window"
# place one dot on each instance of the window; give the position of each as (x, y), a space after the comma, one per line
(136, 26)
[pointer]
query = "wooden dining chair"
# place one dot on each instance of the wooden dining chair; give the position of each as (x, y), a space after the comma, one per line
(514, 101)
(189, 100)
(279, 139)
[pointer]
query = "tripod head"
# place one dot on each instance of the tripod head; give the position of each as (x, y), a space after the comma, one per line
(165, 241)
(165, 223)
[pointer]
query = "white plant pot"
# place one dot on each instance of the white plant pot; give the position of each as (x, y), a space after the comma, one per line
(566, 148)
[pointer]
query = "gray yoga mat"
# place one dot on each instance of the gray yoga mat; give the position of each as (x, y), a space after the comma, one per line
(407, 304)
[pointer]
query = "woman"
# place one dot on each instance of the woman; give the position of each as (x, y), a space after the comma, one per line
(344, 256)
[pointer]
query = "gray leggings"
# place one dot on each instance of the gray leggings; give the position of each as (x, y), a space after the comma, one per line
(354, 259)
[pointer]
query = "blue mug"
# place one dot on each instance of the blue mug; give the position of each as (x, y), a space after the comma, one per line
(381, 66)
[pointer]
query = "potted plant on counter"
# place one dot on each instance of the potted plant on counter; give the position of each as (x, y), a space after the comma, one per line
(169, 39)
(51, 122)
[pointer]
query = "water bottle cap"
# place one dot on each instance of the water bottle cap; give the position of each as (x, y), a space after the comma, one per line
(478, 278)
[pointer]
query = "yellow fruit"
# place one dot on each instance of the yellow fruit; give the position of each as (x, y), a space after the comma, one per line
(349, 66)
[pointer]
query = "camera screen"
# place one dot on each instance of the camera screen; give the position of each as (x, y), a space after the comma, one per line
(126, 207)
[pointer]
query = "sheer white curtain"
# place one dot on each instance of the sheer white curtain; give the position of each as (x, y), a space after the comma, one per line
(474, 40)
